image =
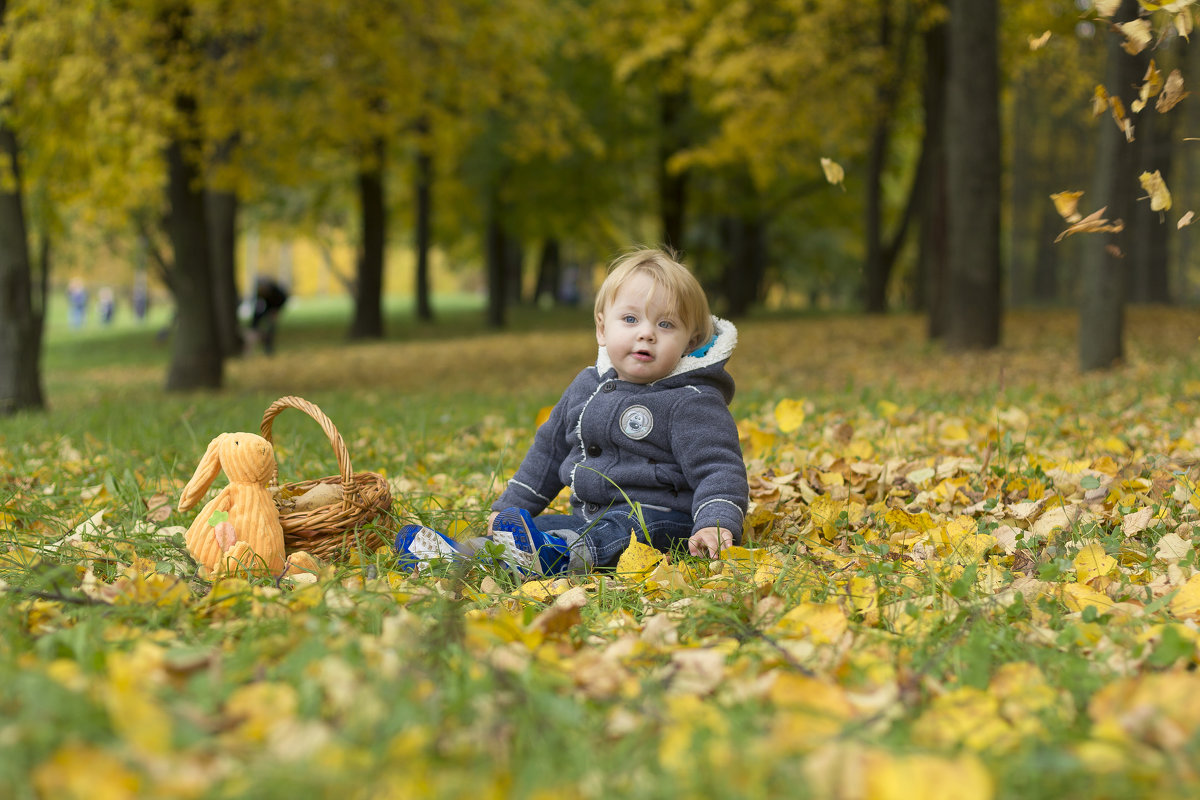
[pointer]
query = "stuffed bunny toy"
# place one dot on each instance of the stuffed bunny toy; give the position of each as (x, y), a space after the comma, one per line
(251, 540)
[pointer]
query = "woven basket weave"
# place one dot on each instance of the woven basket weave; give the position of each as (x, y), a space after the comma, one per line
(332, 531)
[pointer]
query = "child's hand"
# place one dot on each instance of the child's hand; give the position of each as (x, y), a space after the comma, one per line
(709, 542)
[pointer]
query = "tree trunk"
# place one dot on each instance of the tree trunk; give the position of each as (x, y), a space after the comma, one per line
(973, 176)
(196, 359)
(1045, 285)
(424, 213)
(934, 245)
(549, 271)
(1102, 292)
(745, 263)
(496, 247)
(1148, 266)
(875, 271)
(672, 187)
(514, 262)
(21, 322)
(222, 209)
(368, 295)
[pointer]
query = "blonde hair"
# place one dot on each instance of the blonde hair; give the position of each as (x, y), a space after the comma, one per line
(683, 291)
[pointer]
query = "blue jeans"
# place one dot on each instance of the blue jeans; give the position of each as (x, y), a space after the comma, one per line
(600, 543)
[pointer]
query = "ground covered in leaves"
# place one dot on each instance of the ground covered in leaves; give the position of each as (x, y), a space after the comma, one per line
(965, 576)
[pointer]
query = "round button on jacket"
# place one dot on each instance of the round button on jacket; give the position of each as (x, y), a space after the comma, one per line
(610, 386)
(593, 451)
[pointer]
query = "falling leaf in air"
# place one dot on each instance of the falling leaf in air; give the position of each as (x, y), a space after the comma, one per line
(1137, 35)
(1106, 8)
(1186, 220)
(1100, 100)
(1093, 223)
(1067, 205)
(833, 172)
(1172, 92)
(1152, 84)
(1183, 23)
(1156, 189)
(1038, 42)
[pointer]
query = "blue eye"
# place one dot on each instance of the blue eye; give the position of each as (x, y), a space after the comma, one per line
(666, 323)
(629, 318)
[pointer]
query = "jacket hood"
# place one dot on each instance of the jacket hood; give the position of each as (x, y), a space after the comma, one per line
(706, 368)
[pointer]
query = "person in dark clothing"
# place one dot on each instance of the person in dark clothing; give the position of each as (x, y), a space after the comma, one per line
(269, 300)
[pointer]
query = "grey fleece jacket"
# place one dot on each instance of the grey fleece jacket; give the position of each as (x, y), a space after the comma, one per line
(671, 443)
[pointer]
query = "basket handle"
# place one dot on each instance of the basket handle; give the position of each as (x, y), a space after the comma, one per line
(349, 491)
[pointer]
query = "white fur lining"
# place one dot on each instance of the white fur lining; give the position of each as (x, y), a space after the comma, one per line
(722, 348)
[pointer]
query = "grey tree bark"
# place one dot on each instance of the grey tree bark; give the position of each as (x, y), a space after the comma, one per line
(973, 176)
(1104, 284)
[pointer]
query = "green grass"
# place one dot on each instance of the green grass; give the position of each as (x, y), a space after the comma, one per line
(376, 683)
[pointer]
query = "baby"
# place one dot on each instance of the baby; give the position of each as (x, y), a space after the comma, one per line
(644, 439)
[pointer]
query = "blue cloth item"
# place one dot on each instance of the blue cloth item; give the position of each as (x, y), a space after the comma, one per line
(702, 350)
(526, 547)
(417, 545)
(601, 542)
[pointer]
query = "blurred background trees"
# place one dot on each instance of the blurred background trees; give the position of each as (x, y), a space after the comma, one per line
(509, 147)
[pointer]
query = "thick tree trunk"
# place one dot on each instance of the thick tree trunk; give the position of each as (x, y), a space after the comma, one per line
(549, 271)
(745, 244)
(672, 186)
(21, 322)
(514, 262)
(423, 189)
(196, 359)
(1104, 284)
(973, 176)
(1148, 266)
(368, 296)
(222, 209)
(876, 270)
(934, 244)
(1046, 287)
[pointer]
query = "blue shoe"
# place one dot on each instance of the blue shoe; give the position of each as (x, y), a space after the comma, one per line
(528, 549)
(417, 544)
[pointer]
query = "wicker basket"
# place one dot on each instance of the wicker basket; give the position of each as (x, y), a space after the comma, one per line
(335, 530)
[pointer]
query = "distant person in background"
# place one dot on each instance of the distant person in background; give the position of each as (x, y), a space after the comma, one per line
(269, 300)
(106, 304)
(76, 302)
(141, 296)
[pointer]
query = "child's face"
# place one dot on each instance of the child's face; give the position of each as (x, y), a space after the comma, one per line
(644, 339)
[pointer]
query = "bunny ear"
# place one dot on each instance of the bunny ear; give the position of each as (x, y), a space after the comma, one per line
(206, 473)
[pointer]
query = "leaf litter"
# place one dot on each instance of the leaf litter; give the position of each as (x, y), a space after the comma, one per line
(954, 564)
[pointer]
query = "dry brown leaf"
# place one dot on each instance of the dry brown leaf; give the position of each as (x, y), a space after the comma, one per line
(323, 494)
(159, 507)
(1093, 223)
(1172, 92)
(1186, 220)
